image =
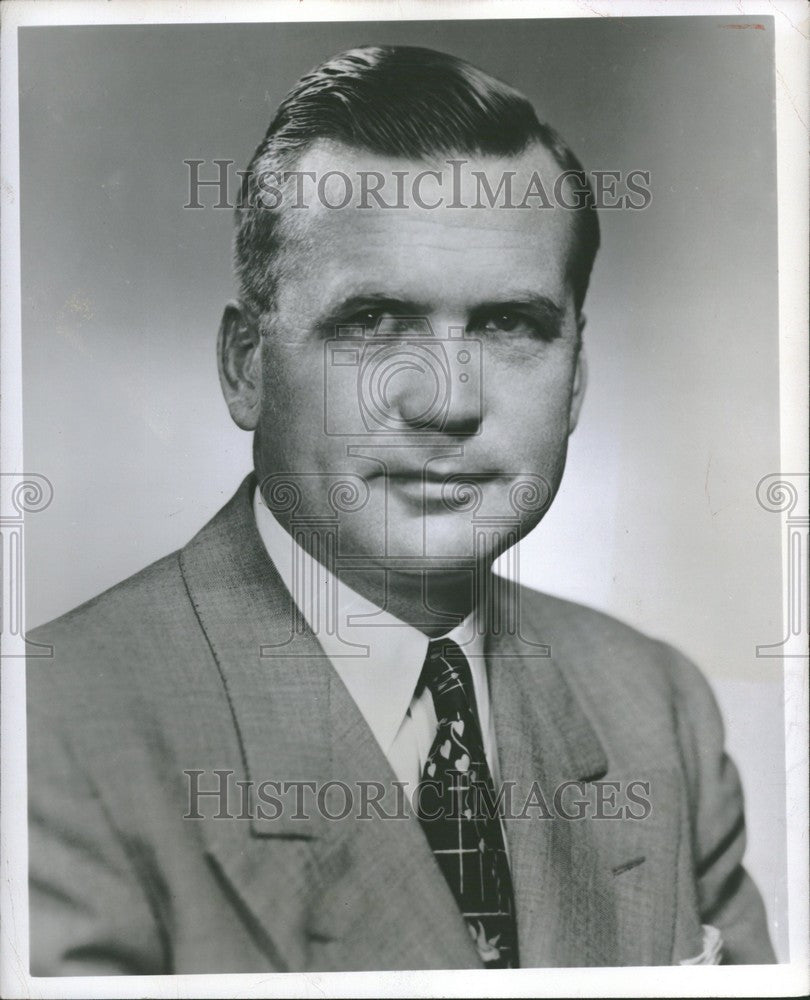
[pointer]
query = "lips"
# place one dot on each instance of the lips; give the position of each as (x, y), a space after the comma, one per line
(432, 475)
(415, 475)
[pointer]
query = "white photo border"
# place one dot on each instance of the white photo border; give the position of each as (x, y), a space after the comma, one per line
(790, 24)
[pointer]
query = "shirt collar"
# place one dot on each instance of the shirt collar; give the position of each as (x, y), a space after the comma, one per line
(377, 656)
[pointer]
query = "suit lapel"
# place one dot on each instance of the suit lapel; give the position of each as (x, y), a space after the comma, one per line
(588, 891)
(544, 740)
(314, 892)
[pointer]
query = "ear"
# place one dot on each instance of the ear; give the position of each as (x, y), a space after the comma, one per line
(239, 357)
(580, 378)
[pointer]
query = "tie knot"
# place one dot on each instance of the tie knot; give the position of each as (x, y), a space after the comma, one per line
(447, 676)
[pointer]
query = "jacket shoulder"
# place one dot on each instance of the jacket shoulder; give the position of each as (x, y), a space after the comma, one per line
(151, 593)
(136, 645)
(139, 643)
(632, 684)
(575, 626)
(610, 646)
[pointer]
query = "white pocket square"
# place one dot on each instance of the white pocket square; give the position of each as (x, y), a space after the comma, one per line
(712, 948)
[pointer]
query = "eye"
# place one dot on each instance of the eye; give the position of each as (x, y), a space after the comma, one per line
(516, 323)
(367, 318)
(507, 320)
(381, 321)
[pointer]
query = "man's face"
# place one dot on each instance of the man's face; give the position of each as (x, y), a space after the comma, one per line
(447, 438)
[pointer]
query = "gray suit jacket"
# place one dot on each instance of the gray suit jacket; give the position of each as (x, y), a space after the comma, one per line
(163, 674)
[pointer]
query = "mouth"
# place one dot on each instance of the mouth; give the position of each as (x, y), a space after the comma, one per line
(434, 474)
(449, 490)
(414, 476)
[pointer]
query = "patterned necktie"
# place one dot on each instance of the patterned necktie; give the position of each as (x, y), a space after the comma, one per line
(455, 807)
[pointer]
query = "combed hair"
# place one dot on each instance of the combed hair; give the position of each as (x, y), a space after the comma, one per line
(396, 101)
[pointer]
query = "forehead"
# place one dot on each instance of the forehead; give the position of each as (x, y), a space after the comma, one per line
(446, 228)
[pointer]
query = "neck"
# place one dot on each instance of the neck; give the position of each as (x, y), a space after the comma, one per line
(433, 601)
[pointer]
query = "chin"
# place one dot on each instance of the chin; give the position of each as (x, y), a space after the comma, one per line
(444, 539)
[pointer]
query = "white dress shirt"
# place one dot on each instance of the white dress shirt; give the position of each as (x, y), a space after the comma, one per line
(381, 676)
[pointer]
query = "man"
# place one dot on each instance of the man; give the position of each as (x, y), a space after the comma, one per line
(323, 735)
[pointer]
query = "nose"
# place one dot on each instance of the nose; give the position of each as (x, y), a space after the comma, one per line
(434, 386)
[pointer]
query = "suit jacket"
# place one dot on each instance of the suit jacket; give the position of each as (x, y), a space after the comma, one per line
(164, 674)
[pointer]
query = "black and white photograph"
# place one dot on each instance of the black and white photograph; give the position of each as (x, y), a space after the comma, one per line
(404, 499)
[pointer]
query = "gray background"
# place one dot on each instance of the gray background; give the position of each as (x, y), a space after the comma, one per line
(657, 520)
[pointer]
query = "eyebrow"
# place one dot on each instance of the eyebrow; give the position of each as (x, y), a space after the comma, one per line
(523, 300)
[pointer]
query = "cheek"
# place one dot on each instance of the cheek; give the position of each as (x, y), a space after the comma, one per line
(293, 416)
(284, 421)
(529, 403)
(293, 378)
